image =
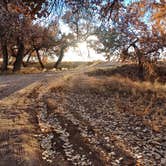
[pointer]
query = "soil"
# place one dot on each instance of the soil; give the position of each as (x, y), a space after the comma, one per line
(12, 83)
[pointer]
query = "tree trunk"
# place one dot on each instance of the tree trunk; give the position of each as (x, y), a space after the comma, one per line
(28, 59)
(30, 54)
(20, 55)
(39, 58)
(140, 62)
(24, 64)
(140, 68)
(5, 57)
(60, 57)
(108, 57)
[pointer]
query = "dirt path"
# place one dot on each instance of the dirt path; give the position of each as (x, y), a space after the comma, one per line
(82, 126)
(12, 83)
(66, 122)
(19, 128)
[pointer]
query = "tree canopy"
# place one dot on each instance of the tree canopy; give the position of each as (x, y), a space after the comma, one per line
(139, 26)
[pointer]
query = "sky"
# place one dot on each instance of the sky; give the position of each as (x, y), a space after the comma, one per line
(82, 53)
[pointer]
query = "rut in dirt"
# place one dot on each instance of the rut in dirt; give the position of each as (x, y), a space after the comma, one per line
(69, 138)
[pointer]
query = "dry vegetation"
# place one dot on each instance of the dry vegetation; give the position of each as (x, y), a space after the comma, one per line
(89, 114)
(86, 119)
(32, 68)
(104, 120)
(18, 131)
(142, 98)
(155, 74)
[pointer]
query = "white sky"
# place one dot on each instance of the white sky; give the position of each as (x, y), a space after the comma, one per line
(81, 53)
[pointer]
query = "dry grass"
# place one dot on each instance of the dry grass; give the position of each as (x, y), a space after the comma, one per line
(18, 133)
(157, 74)
(33, 68)
(146, 99)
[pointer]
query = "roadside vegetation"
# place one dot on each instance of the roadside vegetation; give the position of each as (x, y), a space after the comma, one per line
(35, 67)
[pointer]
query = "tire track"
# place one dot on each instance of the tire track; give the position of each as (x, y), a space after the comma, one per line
(77, 140)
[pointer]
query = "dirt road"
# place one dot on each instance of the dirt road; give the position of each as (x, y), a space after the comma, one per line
(18, 121)
(81, 125)
(71, 121)
(12, 83)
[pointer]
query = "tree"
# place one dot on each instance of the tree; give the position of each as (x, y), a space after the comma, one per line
(107, 42)
(12, 25)
(118, 27)
(142, 36)
(4, 34)
(41, 39)
(63, 43)
(20, 44)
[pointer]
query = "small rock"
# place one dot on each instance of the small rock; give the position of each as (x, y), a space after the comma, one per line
(157, 156)
(64, 69)
(44, 70)
(163, 161)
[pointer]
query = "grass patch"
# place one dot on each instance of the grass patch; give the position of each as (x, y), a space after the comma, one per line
(32, 68)
(131, 72)
(146, 99)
